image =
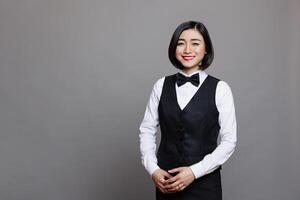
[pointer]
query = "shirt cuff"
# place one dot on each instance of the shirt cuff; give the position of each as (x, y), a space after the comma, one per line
(152, 167)
(197, 170)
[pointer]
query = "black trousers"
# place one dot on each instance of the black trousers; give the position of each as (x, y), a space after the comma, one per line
(207, 187)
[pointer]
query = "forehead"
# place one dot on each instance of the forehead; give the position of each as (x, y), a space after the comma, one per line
(190, 34)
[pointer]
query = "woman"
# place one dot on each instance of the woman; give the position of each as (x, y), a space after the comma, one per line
(192, 109)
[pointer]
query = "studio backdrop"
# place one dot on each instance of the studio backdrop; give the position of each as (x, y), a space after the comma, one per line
(75, 78)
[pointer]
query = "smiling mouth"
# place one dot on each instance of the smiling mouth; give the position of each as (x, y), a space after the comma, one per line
(188, 58)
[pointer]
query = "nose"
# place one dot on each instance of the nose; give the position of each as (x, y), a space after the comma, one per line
(187, 49)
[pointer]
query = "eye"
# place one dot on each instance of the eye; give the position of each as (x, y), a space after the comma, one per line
(180, 43)
(196, 44)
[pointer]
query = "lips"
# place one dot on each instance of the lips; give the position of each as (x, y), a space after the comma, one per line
(188, 58)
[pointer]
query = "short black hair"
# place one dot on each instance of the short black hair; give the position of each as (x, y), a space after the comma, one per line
(208, 57)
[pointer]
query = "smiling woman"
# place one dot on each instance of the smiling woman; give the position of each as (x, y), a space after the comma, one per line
(192, 109)
(186, 31)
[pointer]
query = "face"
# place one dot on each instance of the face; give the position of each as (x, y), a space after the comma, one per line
(190, 49)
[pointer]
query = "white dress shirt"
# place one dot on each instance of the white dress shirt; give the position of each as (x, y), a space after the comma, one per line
(227, 121)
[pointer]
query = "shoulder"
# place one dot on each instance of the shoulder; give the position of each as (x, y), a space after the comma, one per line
(159, 83)
(157, 88)
(223, 86)
(223, 91)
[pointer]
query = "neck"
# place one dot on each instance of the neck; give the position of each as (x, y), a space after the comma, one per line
(189, 71)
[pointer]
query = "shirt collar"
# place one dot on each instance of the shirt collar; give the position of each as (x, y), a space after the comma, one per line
(201, 73)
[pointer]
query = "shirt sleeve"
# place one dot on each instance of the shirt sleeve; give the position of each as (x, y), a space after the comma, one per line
(228, 129)
(148, 129)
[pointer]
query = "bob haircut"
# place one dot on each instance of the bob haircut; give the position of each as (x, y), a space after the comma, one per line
(208, 57)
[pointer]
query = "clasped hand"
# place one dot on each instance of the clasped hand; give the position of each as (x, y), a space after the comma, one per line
(167, 183)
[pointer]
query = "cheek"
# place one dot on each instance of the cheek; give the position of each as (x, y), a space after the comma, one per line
(178, 53)
(200, 50)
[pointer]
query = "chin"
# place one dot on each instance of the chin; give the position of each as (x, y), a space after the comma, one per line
(190, 66)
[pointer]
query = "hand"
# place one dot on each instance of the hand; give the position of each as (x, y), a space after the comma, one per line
(159, 178)
(183, 178)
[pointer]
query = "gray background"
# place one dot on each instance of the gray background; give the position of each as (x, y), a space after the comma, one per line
(75, 77)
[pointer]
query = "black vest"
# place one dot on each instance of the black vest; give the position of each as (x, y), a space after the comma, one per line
(187, 135)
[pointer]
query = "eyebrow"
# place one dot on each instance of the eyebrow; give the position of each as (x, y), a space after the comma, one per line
(191, 39)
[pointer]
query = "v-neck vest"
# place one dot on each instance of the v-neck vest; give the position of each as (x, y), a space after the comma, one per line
(189, 134)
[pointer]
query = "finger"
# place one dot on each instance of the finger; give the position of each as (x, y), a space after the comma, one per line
(166, 175)
(175, 170)
(180, 187)
(173, 185)
(172, 180)
(162, 180)
(183, 188)
(175, 189)
(158, 181)
(160, 185)
(171, 191)
(161, 190)
(168, 191)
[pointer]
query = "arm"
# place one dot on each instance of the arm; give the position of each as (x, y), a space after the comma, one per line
(148, 129)
(227, 121)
